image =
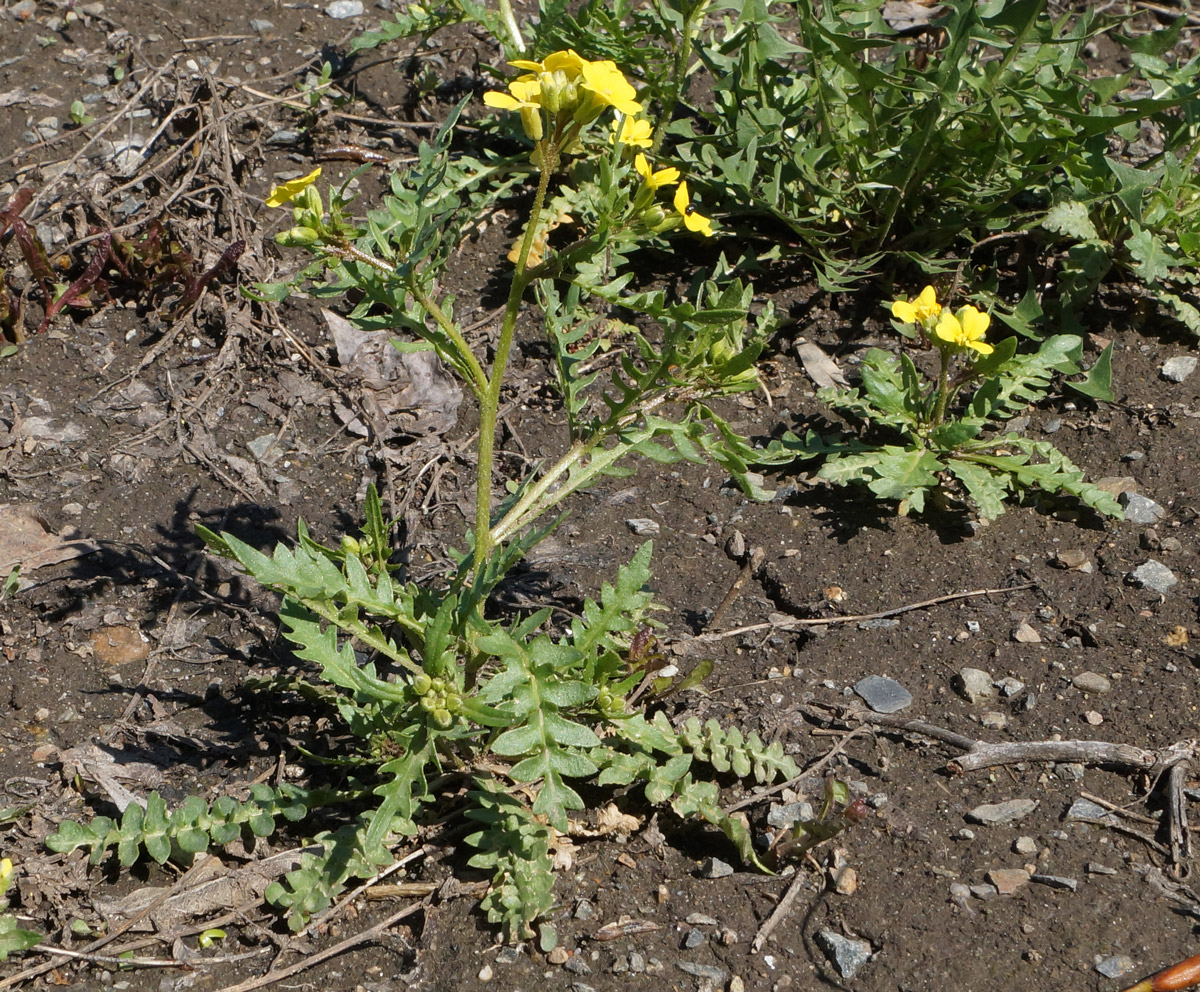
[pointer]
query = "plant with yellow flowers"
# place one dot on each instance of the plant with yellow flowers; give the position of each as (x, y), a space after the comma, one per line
(12, 937)
(916, 436)
(433, 686)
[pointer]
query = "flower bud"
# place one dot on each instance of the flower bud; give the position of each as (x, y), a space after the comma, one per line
(421, 684)
(442, 719)
(297, 237)
(351, 546)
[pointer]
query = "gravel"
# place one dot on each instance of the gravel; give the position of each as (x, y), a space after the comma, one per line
(973, 684)
(1092, 682)
(1179, 368)
(846, 954)
(1141, 509)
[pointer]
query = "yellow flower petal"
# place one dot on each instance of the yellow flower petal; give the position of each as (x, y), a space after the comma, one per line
(633, 131)
(570, 63)
(286, 192)
(501, 101)
(655, 180)
(605, 81)
(905, 311)
(924, 307)
(692, 219)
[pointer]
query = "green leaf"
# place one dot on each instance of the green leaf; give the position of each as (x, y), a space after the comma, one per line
(1070, 218)
(1098, 384)
(986, 490)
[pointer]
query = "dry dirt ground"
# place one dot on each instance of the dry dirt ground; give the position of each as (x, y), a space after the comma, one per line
(124, 431)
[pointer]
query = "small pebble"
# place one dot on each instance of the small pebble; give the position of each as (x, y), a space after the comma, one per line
(1025, 845)
(1085, 809)
(709, 971)
(577, 966)
(692, 939)
(1096, 868)
(1141, 509)
(973, 684)
(993, 720)
(1072, 559)
(340, 10)
(736, 984)
(643, 526)
(1155, 576)
(996, 814)
(701, 920)
(584, 910)
(1056, 882)
(782, 816)
(1093, 718)
(983, 892)
(558, 956)
(845, 881)
(1091, 682)
(508, 955)
(1025, 634)
(1115, 965)
(847, 954)
(260, 25)
(1009, 687)
(485, 973)
(882, 694)
(1008, 880)
(1179, 368)
(715, 868)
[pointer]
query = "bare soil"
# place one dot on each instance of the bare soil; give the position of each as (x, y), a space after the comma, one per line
(127, 430)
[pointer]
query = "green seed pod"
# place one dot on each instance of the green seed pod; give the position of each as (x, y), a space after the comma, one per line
(297, 237)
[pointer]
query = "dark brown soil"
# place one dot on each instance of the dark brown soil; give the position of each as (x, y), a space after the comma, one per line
(132, 430)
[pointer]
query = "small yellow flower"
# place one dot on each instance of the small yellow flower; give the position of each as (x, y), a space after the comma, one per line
(633, 132)
(605, 82)
(570, 63)
(523, 94)
(966, 330)
(286, 192)
(924, 308)
(692, 219)
(6, 868)
(655, 180)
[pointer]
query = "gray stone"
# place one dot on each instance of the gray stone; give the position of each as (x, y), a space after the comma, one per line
(643, 526)
(692, 939)
(716, 868)
(1056, 881)
(995, 814)
(261, 25)
(1085, 809)
(973, 684)
(1141, 509)
(783, 816)
(577, 966)
(1092, 682)
(882, 694)
(993, 720)
(1025, 845)
(1025, 634)
(847, 954)
(879, 623)
(1179, 368)
(637, 963)
(709, 971)
(584, 910)
(1115, 965)
(508, 955)
(1155, 576)
(1009, 686)
(701, 920)
(340, 10)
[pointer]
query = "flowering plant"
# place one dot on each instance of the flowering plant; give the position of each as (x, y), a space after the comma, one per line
(426, 674)
(913, 438)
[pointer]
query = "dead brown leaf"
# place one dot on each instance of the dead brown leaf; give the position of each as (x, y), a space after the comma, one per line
(27, 540)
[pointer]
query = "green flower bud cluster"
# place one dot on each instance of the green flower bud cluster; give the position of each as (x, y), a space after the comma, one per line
(610, 705)
(437, 698)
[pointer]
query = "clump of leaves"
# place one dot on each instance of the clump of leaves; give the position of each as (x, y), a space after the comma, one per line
(919, 437)
(142, 269)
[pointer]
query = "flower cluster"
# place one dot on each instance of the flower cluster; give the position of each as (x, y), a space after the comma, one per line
(567, 89)
(953, 332)
(307, 209)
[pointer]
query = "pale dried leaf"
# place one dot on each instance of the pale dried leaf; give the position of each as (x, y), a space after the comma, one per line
(609, 820)
(26, 540)
(819, 367)
(909, 15)
(10, 98)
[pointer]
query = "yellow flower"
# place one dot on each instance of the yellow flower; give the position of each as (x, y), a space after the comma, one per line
(569, 63)
(523, 94)
(285, 192)
(924, 308)
(655, 180)
(691, 217)
(633, 131)
(5, 869)
(604, 81)
(966, 330)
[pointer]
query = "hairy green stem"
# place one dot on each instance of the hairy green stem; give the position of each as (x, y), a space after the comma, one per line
(943, 388)
(511, 25)
(489, 403)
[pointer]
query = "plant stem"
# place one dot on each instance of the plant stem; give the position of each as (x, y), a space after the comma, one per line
(943, 388)
(489, 403)
(510, 23)
(683, 55)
